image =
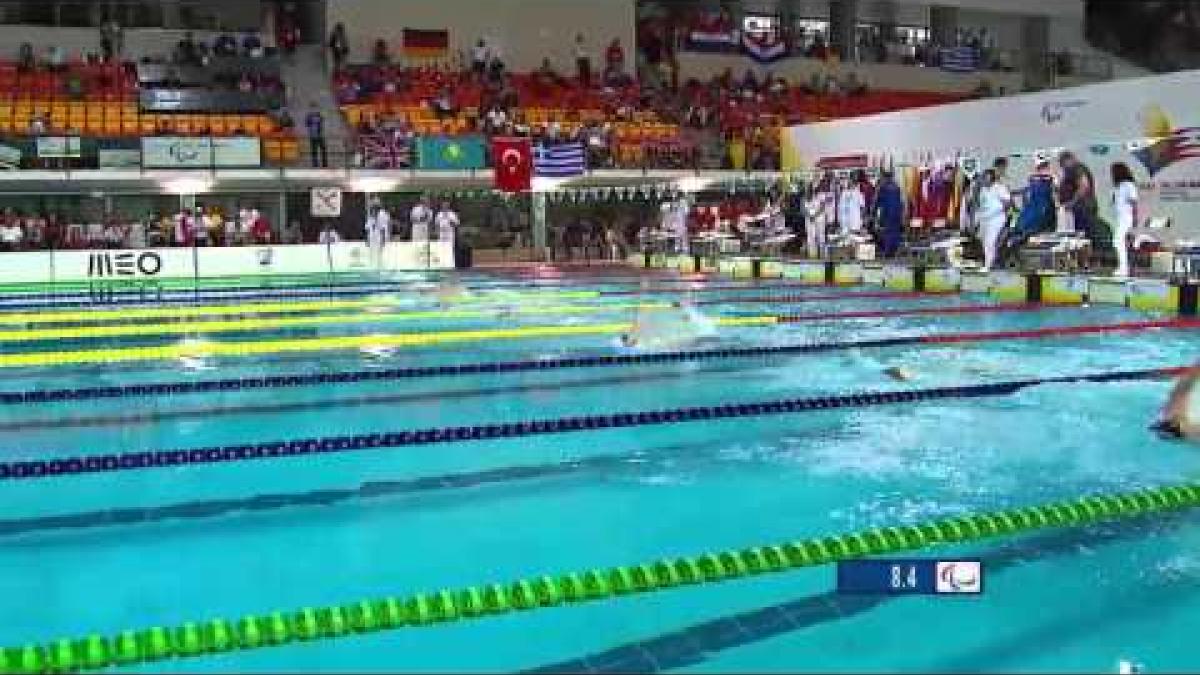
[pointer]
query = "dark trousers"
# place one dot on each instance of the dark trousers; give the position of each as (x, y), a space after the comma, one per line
(585, 72)
(316, 148)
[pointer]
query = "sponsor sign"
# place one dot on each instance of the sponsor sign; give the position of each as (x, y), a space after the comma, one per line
(186, 152)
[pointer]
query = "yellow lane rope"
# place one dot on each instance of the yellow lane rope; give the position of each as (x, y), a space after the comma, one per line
(205, 349)
(101, 315)
(245, 325)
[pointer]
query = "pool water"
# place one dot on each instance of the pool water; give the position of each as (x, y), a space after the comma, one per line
(104, 552)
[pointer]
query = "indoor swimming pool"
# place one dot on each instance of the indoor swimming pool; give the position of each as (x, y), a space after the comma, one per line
(380, 438)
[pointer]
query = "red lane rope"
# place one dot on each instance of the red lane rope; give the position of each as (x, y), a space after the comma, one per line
(818, 297)
(1060, 330)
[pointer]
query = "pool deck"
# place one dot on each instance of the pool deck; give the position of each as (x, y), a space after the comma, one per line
(1142, 293)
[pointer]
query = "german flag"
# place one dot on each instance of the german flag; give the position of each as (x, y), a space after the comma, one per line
(426, 44)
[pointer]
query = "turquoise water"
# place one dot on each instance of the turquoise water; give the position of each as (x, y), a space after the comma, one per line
(1075, 600)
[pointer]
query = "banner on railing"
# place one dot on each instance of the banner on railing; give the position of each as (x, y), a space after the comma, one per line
(186, 152)
(145, 266)
(10, 157)
(58, 147)
(450, 152)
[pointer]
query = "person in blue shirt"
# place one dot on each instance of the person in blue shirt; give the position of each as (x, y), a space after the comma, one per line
(889, 208)
(1037, 210)
(314, 122)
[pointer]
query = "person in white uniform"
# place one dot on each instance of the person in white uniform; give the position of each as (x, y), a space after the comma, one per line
(680, 208)
(1125, 204)
(819, 208)
(850, 208)
(377, 229)
(991, 214)
(420, 218)
(447, 223)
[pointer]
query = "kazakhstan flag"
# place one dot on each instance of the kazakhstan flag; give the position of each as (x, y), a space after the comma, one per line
(450, 152)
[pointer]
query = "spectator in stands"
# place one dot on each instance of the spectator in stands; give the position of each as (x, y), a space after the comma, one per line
(546, 76)
(818, 49)
(225, 45)
(288, 35)
(260, 229)
(583, 62)
(39, 124)
(495, 120)
(314, 122)
(480, 57)
(614, 56)
(252, 45)
(245, 84)
(339, 46)
(115, 233)
(11, 236)
(329, 234)
(111, 40)
(443, 104)
(25, 58)
(380, 55)
(186, 51)
(56, 59)
(852, 85)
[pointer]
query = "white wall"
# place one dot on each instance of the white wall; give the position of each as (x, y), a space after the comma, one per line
(525, 30)
(877, 75)
(1079, 118)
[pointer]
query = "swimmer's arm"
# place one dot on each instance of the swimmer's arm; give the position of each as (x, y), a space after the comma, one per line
(1177, 403)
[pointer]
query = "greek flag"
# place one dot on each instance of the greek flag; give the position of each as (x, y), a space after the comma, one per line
(559, 161)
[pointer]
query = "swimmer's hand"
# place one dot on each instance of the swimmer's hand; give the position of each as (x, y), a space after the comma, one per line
(899, 374)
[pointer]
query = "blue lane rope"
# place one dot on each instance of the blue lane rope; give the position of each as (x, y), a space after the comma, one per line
(130, 461)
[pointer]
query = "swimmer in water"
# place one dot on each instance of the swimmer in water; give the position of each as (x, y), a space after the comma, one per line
(1174, 423)
(690, 329)
(898, 374)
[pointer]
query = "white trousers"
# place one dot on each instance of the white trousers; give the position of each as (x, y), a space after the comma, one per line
(989, 235)
(375, 242)
(1119, 234)
(814, 231)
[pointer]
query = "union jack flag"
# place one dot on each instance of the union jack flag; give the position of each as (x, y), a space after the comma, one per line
(385, 151)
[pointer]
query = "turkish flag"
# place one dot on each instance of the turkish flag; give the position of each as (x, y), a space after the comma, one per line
(513, 161)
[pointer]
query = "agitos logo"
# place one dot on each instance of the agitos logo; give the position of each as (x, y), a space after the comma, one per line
(130, 264)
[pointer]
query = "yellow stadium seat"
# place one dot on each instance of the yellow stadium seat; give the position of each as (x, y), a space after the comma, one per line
(273, 150)
(146, 125)
(291, 149)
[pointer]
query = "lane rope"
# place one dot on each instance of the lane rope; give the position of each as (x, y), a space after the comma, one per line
(275, 628)
(251, 323)
(151, 459)
(185, 297)
(318, 344)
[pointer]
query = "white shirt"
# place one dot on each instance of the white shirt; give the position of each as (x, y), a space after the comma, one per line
(137, 235)
(850, 209)
(420, 217)
(820, 208)
(447, 223)
(993, 200)
(1125, 198)
(246, 219)
(330, 236)
(497, 117)
(479, 54)
(10, 234)
(581, 51)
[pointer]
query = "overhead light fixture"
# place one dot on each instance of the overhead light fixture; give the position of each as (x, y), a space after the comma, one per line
(187, 186)
(693, 183)
(373, 184)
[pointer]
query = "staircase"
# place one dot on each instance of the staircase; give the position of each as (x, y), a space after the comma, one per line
(307, 81)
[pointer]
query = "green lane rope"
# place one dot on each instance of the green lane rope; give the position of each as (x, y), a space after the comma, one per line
(196, 638)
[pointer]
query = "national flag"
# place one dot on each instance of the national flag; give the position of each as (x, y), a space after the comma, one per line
(513, 162)
(385, 151)
(960, 59)
(709, 34)
(764, 47)
(560, 161)
(421, 43)
(450, 152)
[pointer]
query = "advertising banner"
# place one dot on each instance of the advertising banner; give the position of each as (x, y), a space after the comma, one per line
(188, 152)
